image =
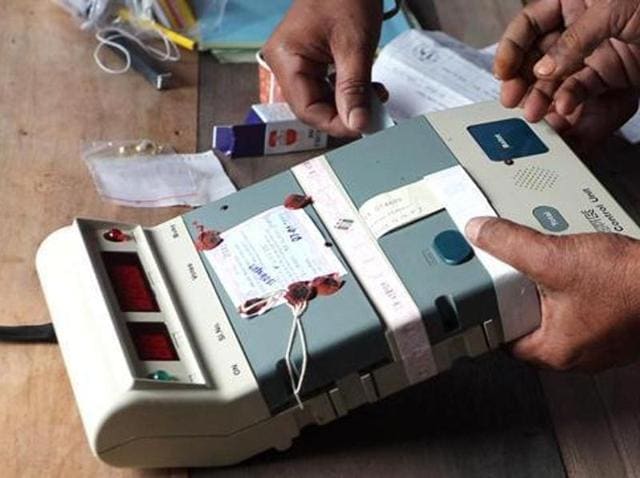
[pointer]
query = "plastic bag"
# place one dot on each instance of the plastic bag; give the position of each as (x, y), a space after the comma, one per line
(147, 174)
(93, 14)
(124, 149)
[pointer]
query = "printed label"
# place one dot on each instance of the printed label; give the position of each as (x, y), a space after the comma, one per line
(391, 210)
(270, 251)
(290, 136)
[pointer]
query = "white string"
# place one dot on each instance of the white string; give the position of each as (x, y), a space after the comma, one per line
(296, 376)
(296, 328)
(107, 35)
(293, 362)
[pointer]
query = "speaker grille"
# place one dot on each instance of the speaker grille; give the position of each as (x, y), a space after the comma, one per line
(535, 178)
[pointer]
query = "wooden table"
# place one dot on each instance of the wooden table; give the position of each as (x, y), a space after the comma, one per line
(491, 417)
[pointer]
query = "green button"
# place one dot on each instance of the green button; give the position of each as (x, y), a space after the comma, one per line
(160, 375)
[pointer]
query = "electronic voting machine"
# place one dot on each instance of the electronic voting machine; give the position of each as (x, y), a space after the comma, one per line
(223, 332)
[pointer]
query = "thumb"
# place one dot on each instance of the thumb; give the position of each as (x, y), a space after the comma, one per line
(528, 251)
(353, 85)
(601, 21)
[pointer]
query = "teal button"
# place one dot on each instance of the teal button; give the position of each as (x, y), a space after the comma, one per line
(452, 247)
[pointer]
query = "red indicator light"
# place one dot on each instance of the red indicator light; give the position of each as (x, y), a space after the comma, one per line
(152, 341)
(129, 282)
(116, 235)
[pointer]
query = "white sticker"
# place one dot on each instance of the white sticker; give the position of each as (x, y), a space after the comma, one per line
(397, 208)
(268, 252)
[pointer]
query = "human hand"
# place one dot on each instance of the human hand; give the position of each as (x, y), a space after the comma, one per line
(603, 80)
(589, 293)
(313, 35)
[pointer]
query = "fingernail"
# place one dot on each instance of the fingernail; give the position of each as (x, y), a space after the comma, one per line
(545, 67)
(358, 118)
(472, 229)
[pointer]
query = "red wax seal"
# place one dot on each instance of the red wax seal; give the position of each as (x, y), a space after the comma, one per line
(116, 235)
(297, 201)
(207, 238)
(300, 292)
(327, 285)
(252, 306)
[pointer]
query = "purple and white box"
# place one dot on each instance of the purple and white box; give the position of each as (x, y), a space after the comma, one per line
(268, 129)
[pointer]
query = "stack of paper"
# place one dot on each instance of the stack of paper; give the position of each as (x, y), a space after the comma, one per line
(427, 71)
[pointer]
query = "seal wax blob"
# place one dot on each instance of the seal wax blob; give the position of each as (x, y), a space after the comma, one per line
(297, 295)
(327, 285)
(207, 238)
(297, 201)
(252, 307)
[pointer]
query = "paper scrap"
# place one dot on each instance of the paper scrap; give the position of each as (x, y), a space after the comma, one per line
(270, 251)
(430, 71)
(393, 209)
(160, 180)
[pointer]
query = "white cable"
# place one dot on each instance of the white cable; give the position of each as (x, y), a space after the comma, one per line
(102, 41)
(107, 35)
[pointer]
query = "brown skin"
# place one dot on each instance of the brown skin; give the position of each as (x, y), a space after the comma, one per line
(589, 293)
(318, 33)
(593, 90)
(588, 282)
